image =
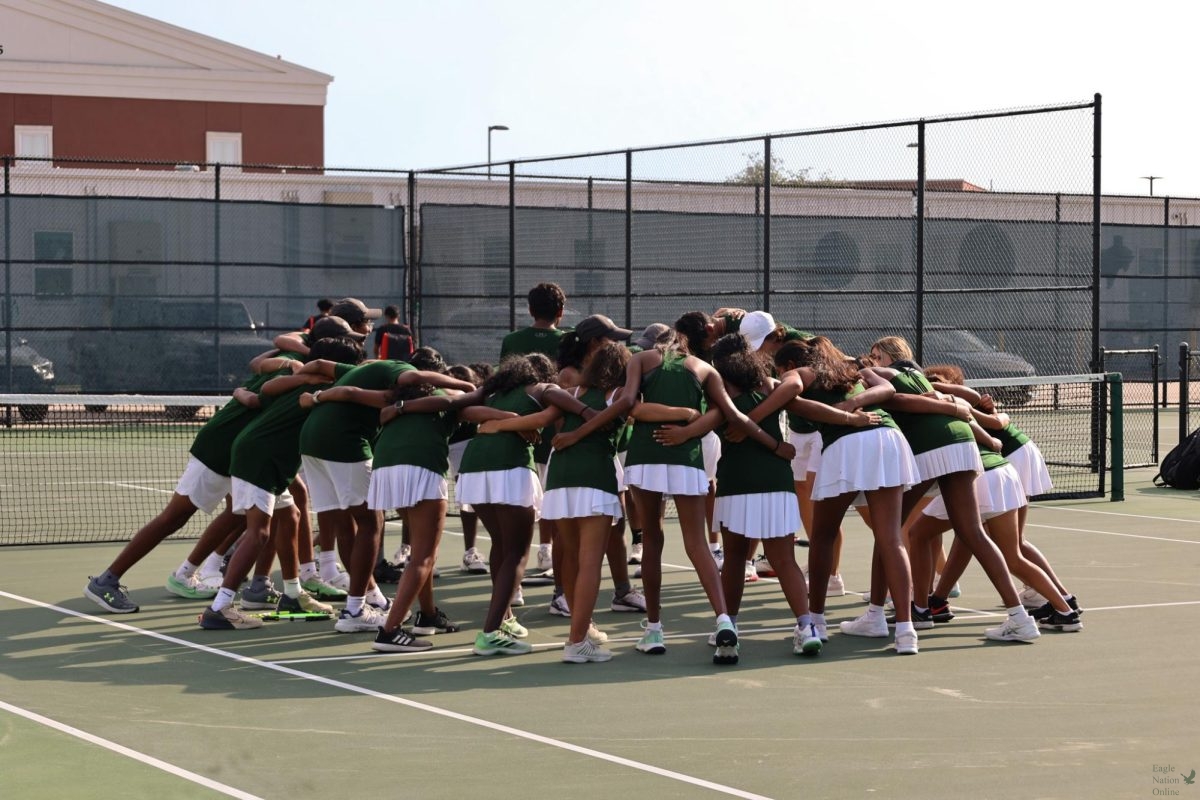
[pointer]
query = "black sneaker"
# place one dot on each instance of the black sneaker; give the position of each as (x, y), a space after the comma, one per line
(1067, 623)
(921, 620)
(399, 641)
(939, 609)
(1074, 604)
(387, 572)
(1044, 611)
(429, 624)
(112, 597)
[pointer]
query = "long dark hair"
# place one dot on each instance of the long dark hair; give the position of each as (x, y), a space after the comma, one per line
(835, 372)
(514, 372)
(571, 351)
(737, 364)
(693, 327)
(428, 359)
(606, 370)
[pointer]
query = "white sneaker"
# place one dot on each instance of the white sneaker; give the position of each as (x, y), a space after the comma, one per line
(210, 580)
(632, 601)
(368, 620)
(474, 562)
(1013, 630)
(559, 607)
(513, 628)
(719, 557)
(1032, 598)
(400, 560)
(583, 652)
(595, 635)
(806, 641)
(906, 643)
(751, 572)
(545, 557)
(836, 587)
(518, 598)
(822, 630)
(635, 553)
(340, 581)
(763, 567)
(871, 625)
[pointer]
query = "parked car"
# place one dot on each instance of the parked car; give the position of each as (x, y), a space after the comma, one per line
(32, 373)
(979, 361)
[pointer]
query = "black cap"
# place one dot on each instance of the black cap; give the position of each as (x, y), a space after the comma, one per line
(332, 327)
(354, 310)
(597, 326)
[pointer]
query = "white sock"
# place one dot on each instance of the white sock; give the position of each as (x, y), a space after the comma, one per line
(376, 597)
(904, 627)
(874, 610)
(818, 619)
(724, 618)
(291, 587)
(224, 598)
(186, 570)
(654, 626)
(308, 571)
(328, 562)
(354, 604)
(1017, 613)
(212, 563)
(713, 547)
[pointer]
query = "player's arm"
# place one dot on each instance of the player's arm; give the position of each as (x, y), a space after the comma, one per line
(375, 398)
(434, 379)
(291, 343)
(657, 412)
(672, 435)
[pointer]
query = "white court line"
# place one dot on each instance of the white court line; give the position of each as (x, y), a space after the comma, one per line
(352, 688)
(1112, 533)
(125, 751)
(1109, 513)
(139, 488)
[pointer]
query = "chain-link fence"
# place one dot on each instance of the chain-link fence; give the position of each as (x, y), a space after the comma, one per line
(1144, 391)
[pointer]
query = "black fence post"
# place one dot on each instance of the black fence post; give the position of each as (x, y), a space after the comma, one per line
(1098, 408)
(1154, 405)
(217, 271)
(512, 245)
(412, 304)
(919, 342)
(1185, 383)
(766, 224)
(8, 304)
(628, 237)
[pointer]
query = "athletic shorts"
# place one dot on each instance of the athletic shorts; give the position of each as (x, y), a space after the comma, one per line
(336, 485)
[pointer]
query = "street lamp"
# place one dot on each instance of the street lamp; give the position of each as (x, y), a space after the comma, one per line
(1152, 179)
(490, 129)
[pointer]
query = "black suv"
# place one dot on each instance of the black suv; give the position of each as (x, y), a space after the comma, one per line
(32, 373)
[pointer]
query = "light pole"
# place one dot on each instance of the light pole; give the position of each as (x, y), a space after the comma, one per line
(490, 129)
(1152, 179)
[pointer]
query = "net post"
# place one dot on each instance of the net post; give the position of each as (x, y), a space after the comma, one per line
(1116, 399)
(1185, 380)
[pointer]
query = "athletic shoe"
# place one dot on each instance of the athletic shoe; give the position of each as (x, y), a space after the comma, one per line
(871, 625)
(340, 581)
(836, 586)
(822, 630)
(387, 572)
(921, 620)
(763, 567)
(652, 643)
(595, 635)
(498, 643)
(584, 652)
(559, 607)
(368, 620)
(210, 580)
(751, 573)
(227, 619)
(518, 598)
(189, 588)
(385, 606)
(727, 644)
(511, 627)
(322, 590)
(635, 553)
(939, 609)
(955, 591)
(1032, 598)
(719, 557)
(474, 562)
(266, 598)
(806, 641)
(403, 553)
(801, 542)
(429, 624)
(906, 643)
(112, 597)
(399, 641)
(545, 557)
(633, 600)
(305, 603)
(1067, 623)
(1012, 630)
(637, 571)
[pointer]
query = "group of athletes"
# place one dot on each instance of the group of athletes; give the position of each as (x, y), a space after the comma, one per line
(583, 429)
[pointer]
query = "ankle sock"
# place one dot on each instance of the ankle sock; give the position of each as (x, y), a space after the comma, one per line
(224, 598)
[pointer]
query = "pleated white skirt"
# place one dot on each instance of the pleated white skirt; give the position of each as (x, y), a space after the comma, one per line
(518, 486)
(1031, 466)
(946, 460)
(669, 479)
(997, 491)
(403, 486)
(863, 461)
(574, 502)
(766, 515)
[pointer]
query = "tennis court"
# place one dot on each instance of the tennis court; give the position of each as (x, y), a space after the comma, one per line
(149, 705)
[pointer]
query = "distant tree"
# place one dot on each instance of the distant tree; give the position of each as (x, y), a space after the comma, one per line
(752, 174)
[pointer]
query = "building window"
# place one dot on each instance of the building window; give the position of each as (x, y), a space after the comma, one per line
(53, 246)
(33, 141)
(52, 281)
(224, 149)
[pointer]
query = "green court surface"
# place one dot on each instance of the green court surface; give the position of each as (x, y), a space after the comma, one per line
(149, 706)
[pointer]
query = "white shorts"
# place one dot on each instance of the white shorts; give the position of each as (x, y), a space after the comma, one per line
(575, 502)
(456, 453)
(997, 491)
(869, 459)
(946, 460)
(542, 469)
(246, 496)
(808, 454)
(619, 466)
(765, 515)
(336, 485)
(203, 487)
(1031, 467)
(403, 486)
(670, 479)
(710, 448)
(518, 486)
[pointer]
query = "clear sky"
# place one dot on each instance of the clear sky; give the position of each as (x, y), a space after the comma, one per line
(416, 84)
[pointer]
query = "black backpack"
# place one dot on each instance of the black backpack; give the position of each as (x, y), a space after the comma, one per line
(1181, 468)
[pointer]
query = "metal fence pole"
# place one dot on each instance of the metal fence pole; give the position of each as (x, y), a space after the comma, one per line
(217, 269)
(413, 285)
(1154, 431)
(8, 303)
(920, 309)
(1185, 383)
(766, 225)
(512, 245)
(628, 237)
(1098, 409)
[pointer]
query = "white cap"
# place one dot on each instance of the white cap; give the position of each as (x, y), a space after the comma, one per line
(757, 326)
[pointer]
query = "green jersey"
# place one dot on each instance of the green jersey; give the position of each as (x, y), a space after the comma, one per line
(831, 433)
(1011, 439)
(214, 441)
(344, 431)
(501, 451)
(926, 432)
(419, 440)
(671, 384)
(746, 467)
(589, 462)
(532, 340)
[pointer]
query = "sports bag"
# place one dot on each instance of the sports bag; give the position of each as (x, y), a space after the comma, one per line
(1181, 467)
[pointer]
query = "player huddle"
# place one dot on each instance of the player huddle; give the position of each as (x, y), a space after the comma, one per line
(753, 428)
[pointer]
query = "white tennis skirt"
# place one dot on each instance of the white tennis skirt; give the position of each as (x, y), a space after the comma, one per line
(765, 515)
(669, 479)
(808, 454)
(870, 459)
(997, 491)
(574, 502)
(946, 460)
(203, 487)
(403, 486)
(619, 466)
(710, 448)
(518, 486)
(1027, 460)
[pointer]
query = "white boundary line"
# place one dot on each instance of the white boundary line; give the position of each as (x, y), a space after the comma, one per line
(125, 751)
(1111, 533)
(352, 688)
(1108, 513)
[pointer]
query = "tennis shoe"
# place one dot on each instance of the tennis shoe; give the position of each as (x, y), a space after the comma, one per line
(585, 651)
(763, 568)
(305, 603)
(1032, 598)
(751, 572)
(719, 556)
(635, 553)
(921, 620)
(595, 635)
(112, 597)
(498, 643)
(836, 586)
(1013, 630)
(403, 553)
(1066, 623)
(871, 625)
(266, 598)
(822, 630)
(210, 580)
(906, 643)
(726, 639)
(386, 572)
(518, 598)
(559, 607)
(652, 643)
(955, 591)
(430, 624)
(227, 619)
(805, 640)
(511, 627)
(368, 620)
(399, 641)
(473, 562)
(322, 590)
(189, 587)
(631, 601)
(545, 558)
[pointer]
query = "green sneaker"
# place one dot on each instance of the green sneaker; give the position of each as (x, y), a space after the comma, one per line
(322, 590)
(499, 643)
(513, 628)
(191, 588)
(652, 643)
